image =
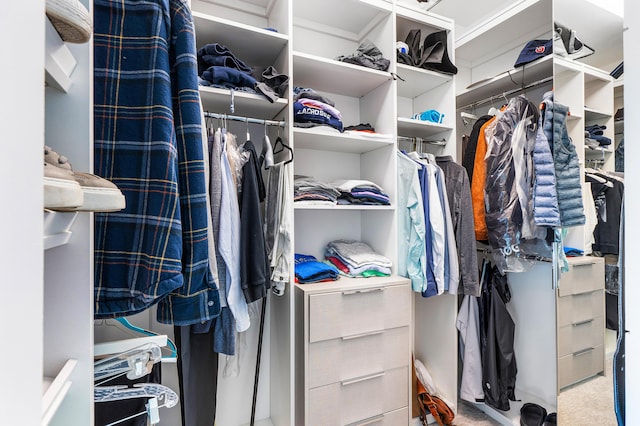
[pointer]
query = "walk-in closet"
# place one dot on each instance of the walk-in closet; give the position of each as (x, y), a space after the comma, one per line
(325, 233)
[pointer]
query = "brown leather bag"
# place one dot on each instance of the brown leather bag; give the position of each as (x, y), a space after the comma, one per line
(437, 407)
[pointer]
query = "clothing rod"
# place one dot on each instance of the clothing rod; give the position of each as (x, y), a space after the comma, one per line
(244, 119)
(507, 93)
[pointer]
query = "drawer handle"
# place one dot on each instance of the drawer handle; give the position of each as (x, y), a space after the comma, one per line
(588, 263)
(583, 322)
(582, 352)
(368, 421)
(357, 336)
(368, 290)
(361, 379)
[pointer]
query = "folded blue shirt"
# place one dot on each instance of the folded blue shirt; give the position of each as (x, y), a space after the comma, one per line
(308, 269)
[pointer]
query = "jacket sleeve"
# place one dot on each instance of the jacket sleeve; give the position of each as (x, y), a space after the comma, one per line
(465, 235)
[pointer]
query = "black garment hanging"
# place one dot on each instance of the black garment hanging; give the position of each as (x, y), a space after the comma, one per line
(470, 152)
(497, 334)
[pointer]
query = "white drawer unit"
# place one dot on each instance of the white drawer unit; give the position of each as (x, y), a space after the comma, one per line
(580, 319)
(355, 344)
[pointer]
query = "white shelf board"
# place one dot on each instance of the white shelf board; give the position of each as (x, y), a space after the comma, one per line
(573, 117)
(57, 228)
(340, 207)
(532, 72)
(618, 126)
(328, 75)
(340, 142)
(416, 81)
(55, 389)
(598, 152)
(420, 129)
(254, 46)
(414, 12)
(351, 19)
(593, 114)
(245, 104)
(522, 17)
(59, 62)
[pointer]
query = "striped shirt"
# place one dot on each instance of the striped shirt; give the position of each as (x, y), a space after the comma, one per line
(148, 141)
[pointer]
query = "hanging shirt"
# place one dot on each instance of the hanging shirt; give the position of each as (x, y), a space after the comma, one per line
(278, 209)
(451, 266)
(459, 197)
(147, 140)
(478, 182)
(229, 245)
(412, 255)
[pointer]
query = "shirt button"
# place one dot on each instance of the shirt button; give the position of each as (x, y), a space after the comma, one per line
(210, 303)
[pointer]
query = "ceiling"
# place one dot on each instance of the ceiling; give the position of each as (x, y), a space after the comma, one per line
(598, 28)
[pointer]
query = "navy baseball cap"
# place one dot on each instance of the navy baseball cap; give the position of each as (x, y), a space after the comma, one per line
(533, 50)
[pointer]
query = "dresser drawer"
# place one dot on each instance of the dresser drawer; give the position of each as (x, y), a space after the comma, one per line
(359, 399)
(356, 356)
(580, 307)
(394, 418)
(351, 312)
(580, 365)
(575, 337)
(585, 274)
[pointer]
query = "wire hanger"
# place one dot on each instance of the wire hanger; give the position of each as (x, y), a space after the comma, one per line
(173, 355)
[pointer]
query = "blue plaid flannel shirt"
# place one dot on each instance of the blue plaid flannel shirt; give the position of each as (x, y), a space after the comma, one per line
(148, 142)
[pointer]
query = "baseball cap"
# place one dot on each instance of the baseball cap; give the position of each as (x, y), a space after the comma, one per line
(533, 50)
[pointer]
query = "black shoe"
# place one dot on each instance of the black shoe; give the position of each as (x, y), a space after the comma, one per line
(551, 420)
(532, 415)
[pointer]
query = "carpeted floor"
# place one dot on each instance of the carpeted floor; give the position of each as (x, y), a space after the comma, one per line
(589, 402)
(586, 403)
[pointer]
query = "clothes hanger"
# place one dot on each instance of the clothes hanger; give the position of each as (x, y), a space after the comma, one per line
(173, 355)
(134, 363)
(266, 155)
(156, 393)
(280, 146)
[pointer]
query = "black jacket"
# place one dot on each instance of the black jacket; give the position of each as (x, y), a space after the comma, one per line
(254, 264)
(497, 338)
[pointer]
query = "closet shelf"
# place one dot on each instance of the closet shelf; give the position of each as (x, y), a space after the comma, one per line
(591, 114)
(349, 19)
(321, 140)
(340, 207)
(508, 80)
(262, 46)
(597, 152)
(413, 12)
(420, 129)
(418, 81)
(618, 126)
(352, 283)
(328, 75)
(59, 62)
(512, 417)
(530, 18)
(57, 228)
(246, 104)
(54, 390)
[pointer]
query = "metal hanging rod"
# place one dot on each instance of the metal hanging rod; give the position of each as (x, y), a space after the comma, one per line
(244, 119)
(507, 93)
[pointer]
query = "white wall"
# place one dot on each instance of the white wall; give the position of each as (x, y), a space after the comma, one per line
(632, 206)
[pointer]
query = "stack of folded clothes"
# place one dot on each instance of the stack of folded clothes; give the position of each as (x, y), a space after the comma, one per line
(307, 190)
(219, 67)
(311, 109)
(594, 137)
(309, 270)
(357, 259)
(362, 192)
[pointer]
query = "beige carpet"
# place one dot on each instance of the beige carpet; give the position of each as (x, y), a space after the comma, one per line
(589, 402)
(584, 404)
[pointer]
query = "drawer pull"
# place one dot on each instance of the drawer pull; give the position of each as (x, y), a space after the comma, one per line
(368, 421)
(357, 336)
(367, 290)
(361, 379)
(582, 322)
(582, 352)
(593, 262)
